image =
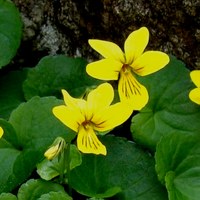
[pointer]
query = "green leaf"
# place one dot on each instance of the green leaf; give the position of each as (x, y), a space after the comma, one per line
(30, 131)
(16, 164)
(10, 31)
(169, 108)
(7, 196)
(178, 167)
(36, 126)
(126, 167)
(8, 156)
(55, 195)
(9, 136)
(11, 94)
(34, 189)
(8, 144)
(36, 129)
(54, 73)
(49, 169)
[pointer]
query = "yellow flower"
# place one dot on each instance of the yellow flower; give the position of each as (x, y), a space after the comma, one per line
(94, 114)
(117, 65)
(57, 146)
(194, 94)
(1, 132)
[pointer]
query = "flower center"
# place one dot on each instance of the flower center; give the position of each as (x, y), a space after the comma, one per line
(126, 69)
(86, 123)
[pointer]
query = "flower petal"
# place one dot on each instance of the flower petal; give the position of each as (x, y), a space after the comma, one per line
(72, 118)
(107, 49)
(135, 44)
(57, 146)
(1, 132)
(150, 62)
(73, 102)
(112, 117)
(100, 97)
(195, 76)
(194, 95)
(130, 89)
(87, 141)
(52, 152)
(78, 104)
(106, 69)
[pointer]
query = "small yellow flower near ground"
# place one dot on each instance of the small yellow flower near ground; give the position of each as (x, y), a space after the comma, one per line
(1, 132)
(123, 66)
(94, 114)
(194, 94)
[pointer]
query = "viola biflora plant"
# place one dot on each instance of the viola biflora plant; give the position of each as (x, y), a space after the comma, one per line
(67, 132)
(123, 67)
(95, 114)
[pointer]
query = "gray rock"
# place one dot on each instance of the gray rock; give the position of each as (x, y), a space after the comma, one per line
(60, 26)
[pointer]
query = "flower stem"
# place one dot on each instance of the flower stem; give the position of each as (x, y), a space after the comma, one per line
(67, 166)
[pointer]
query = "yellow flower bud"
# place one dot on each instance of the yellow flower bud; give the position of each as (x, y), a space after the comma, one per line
(57, 146)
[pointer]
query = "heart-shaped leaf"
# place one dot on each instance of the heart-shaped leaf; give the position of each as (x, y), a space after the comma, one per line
(34, 189)
(54, 73)
(10, 31)
(35, 124)
(31, 130)
(126, 171)
(8, 155)
(178, 165)
(169, 108)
